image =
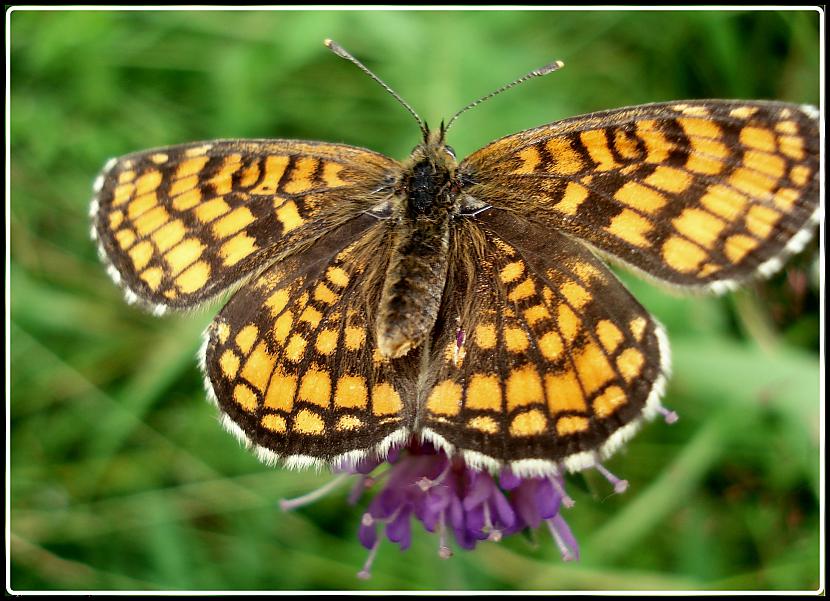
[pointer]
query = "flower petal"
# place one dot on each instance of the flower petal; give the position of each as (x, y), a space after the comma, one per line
(508, 480)
(547, 499)
(503, 512)
(368, 534)
(481, 487)
(525, 504)
(399, 530)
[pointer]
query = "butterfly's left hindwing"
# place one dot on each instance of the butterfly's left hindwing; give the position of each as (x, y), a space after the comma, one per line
(292, 361)
(179, 225)
(696, 194)
(541, 356)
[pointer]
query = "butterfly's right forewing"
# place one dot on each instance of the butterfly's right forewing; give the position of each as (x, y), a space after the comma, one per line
(696, 194)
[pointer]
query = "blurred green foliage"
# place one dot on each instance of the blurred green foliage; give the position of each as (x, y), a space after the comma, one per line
(121, 477)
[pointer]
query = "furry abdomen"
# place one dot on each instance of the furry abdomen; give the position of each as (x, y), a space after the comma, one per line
(414, 286)
(417, 271)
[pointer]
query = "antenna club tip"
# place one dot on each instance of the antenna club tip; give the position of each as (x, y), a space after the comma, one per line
(550, 68)
(336, 48)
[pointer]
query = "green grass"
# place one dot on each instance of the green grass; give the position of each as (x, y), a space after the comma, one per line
(121, 477)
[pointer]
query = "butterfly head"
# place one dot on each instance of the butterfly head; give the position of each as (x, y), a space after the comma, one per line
(434, 149)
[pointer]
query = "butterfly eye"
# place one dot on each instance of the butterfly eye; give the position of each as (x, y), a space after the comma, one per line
(450, 151)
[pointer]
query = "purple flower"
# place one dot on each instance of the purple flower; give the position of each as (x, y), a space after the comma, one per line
(453, 500)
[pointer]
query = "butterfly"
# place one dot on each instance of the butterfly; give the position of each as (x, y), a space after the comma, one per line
(457, 302)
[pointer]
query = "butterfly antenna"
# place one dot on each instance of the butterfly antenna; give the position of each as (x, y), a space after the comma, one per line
(550, 68)
(342, 53)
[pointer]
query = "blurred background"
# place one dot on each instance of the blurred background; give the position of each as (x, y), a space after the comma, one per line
(121, 477)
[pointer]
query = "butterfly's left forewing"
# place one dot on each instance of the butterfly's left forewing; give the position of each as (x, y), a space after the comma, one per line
(181, 224)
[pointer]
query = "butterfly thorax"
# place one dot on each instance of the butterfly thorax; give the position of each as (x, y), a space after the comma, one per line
(426, 198)
(428, 188)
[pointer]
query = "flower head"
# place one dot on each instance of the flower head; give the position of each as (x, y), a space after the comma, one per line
(449, 498)
(455, 500)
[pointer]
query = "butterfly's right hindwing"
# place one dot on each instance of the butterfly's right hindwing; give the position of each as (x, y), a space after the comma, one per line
(541, 357)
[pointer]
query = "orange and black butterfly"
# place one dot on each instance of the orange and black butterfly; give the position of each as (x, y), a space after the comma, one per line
(459, 302)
